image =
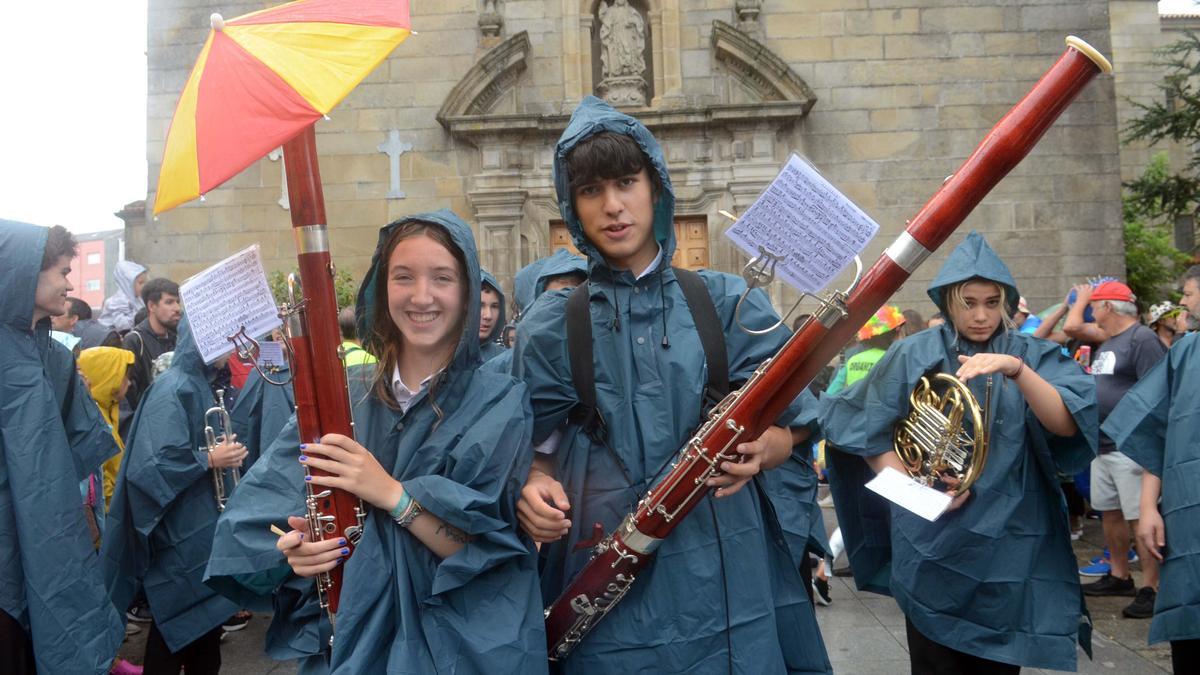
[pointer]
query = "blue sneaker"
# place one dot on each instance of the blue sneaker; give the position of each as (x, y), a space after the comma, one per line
(1099, 565)
(1096, 568)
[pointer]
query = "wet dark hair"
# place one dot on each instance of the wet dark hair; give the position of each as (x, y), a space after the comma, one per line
(59, 243)
(608, 155)
(156, 288)
(883, 340)
(577, 278)
(79, 309)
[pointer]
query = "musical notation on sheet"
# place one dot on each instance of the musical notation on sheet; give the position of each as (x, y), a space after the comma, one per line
(807, 224)
(223, 298)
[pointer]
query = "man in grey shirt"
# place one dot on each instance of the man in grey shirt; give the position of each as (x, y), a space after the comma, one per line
(1131, 350)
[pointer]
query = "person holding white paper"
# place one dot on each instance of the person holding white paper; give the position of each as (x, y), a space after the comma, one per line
(990, 586)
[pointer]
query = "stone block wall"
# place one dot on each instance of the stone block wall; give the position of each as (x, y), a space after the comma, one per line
(905, 90)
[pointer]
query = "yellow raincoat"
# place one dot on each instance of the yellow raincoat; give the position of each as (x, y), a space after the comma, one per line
(105, 369)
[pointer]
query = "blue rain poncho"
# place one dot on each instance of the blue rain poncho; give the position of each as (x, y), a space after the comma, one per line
(51, 438)
(1156, 425)
(530, 281)
(529, 284)
(163, 511)
(402, 608)
(995, 578)
(675, 618)
(792, 487)
(490, 346)
(261, 411)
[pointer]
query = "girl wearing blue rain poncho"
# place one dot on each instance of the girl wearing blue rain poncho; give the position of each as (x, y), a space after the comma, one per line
(723, 594)
(991, 585)
(1156, 424)
(163, 512)
(55, 616)
(441, 582)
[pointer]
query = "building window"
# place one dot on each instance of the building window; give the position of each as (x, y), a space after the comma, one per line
(92, 285)
(93, 258)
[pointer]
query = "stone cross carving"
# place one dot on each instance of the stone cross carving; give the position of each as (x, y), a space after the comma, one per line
(622, 49)
(283, 202)
(393, 147)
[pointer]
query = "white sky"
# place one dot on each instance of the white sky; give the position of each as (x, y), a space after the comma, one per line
(72, 111)
(1177, 6)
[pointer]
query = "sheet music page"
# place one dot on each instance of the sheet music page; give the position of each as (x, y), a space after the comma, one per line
(908, 493)
(223, 298)
(270, 355)
(813, 227)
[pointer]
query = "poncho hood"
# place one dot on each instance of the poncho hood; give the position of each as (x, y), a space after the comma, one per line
(594, 116)
(466, 355)
(21, 247)
(973, 259)
(530, 281)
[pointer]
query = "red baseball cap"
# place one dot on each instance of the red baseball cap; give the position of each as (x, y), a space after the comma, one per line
(1113, 290)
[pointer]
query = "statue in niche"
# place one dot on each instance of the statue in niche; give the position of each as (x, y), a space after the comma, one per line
(490, 19)
(622, 53)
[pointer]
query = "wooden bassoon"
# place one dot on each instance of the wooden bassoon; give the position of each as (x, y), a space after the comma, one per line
(322, 397)
(746, 413)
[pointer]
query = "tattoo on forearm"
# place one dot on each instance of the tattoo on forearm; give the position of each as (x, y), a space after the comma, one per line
(452, 533)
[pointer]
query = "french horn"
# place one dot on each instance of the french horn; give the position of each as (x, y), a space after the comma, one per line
(943, 443)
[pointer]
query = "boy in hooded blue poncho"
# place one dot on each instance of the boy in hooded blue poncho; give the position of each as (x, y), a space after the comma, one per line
(451, 588)
(723, 593)
(163, 513)
(1156, 425)
(561, 270)
(55, 616)
(991, 585)
(491, 317)
(557, 271)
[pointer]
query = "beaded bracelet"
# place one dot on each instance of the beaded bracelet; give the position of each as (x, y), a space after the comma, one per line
(406, 510)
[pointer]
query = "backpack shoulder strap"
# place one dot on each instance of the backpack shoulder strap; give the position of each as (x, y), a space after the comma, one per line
(586, 413)
(712, 337)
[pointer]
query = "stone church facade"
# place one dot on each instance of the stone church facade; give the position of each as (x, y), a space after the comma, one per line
(884, 97)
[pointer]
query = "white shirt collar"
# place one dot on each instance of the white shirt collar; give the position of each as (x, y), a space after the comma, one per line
(405, 396)
(652, 266)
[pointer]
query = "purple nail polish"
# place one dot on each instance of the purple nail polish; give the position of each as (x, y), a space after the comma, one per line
(303, 446)
(301, 536)
(303, 458)
(308, 478)
(338, 561)
(345, 551)
(341, 542)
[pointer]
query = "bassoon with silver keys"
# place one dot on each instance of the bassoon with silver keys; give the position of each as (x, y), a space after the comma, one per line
(319, 378)
(746, 413)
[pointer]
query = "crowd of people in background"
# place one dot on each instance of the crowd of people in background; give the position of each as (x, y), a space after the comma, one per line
(485, 452)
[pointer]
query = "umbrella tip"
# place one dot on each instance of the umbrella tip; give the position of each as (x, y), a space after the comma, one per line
(217, 21)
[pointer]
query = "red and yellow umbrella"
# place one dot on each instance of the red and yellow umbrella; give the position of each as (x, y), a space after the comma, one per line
(262, 78)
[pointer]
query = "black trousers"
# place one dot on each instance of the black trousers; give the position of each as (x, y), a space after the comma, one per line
(201, 657)
(930, 658)
(1185, 656)
(16, 648)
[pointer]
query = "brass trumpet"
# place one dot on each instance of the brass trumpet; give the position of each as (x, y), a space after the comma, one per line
(211, 440)
(943, 442)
